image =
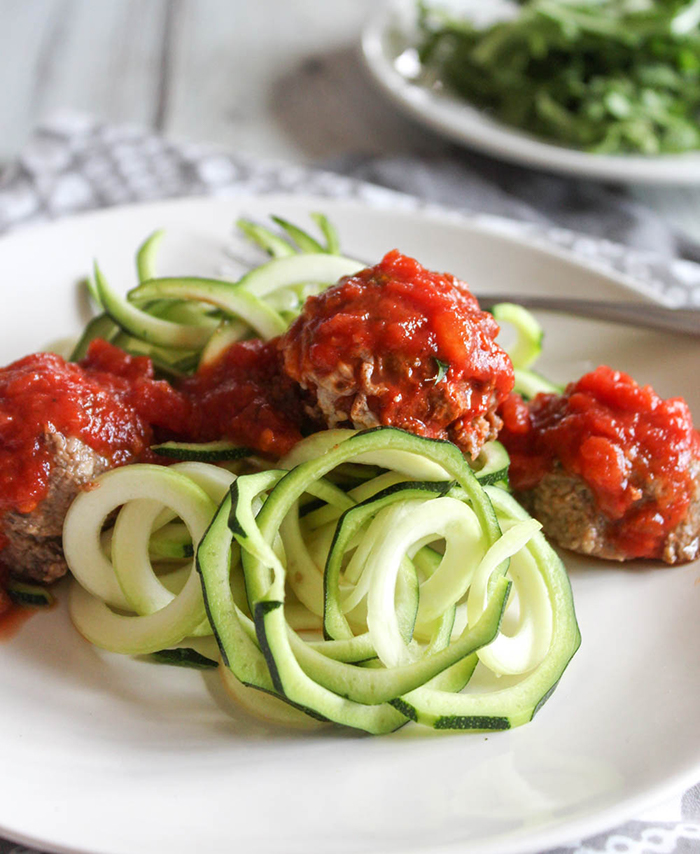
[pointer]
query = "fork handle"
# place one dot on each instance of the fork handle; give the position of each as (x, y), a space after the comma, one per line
(685, 321)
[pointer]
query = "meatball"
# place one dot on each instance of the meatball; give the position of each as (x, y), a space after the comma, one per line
(566, 506)
(609, 468)
(397, 345)
(61, 425)
(33, 548)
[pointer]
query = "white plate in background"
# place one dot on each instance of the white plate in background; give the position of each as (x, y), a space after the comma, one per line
(390, 31)
(103, 754)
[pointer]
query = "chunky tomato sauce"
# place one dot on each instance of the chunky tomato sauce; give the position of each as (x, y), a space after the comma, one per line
(633, 449)
(244, 397)
(383, 334)
(110, 401)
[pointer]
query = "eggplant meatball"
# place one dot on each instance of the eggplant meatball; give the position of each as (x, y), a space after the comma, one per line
(397, 345)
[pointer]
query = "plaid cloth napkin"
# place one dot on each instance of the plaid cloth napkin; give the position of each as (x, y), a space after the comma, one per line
(75, 164)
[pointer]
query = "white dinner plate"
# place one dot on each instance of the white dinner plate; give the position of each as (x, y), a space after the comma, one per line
(387, 43)
(106, 754)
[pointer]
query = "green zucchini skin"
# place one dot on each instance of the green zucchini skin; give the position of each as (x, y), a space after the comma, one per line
(184, 657)
(29, 595)
(206, 452)
(480, 723)
(252, 662)
(491, 466)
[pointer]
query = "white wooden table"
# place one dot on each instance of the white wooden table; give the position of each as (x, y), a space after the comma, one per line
(277, 78)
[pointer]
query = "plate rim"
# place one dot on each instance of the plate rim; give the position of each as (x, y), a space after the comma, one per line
(495, 225)
(449, 116)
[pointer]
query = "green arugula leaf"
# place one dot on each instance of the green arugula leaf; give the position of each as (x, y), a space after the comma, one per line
(606, 76)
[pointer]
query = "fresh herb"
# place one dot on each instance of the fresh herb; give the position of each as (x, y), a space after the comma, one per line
(184, 657)
(442, 369)
(607, 76)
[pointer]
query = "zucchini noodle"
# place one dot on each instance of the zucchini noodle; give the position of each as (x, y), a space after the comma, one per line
(372, 608)
(185, 323)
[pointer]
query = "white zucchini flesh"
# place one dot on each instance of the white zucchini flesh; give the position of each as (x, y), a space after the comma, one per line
(411, 465)
(137, 519)
(266, 706)
(137, 635)
(402, 526)
(298, 270)
(526, 643)
(86, 516)
(517, 702)
(490, 466)
(149, 497)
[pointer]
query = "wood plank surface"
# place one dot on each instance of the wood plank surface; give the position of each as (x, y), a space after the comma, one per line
(280, 79)
(98, 57)
(276, 78)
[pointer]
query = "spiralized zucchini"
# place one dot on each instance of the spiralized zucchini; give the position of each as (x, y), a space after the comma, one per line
(118, 600)
(363, 581)
(365, 606)
(183, 323)
(186, 323)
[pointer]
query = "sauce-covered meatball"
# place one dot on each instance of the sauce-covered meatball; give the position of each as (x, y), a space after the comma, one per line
(61, 425)
(609, 468)
(398, 345)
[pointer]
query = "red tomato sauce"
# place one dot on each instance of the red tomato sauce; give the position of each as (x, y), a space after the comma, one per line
(632, 448)
(244, 397)
(110, 401)
(398, 319)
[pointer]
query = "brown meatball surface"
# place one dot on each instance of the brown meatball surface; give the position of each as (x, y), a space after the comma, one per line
(567, 508)
(33, 548)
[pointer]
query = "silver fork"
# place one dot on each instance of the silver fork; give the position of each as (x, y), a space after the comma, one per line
(685, 321)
